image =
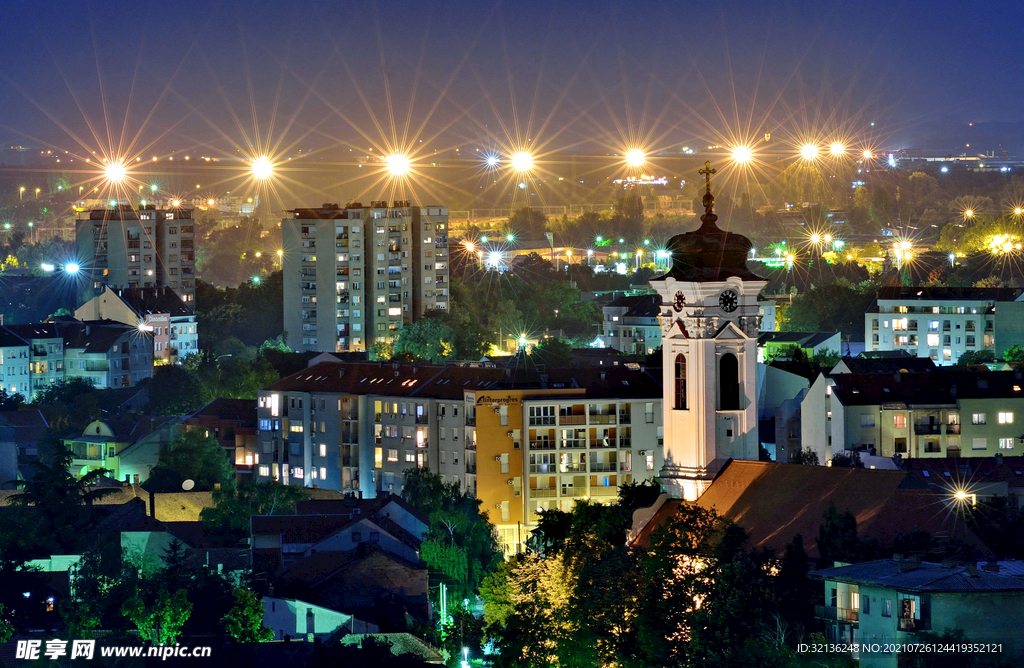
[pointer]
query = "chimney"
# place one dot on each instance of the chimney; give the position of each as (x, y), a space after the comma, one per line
(972, 569)
(604, 375)
(152, 505)
(991, 567)
(341, 372)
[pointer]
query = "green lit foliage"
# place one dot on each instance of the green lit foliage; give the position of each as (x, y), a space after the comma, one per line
(837, 306)
(1014, 355)
(6, 627)
(244, 622)
(160, 622)
(459, 547)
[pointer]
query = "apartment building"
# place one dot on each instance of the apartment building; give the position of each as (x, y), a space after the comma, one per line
(143, 247)
(944, 323)
(939, 414)
(355, 274)
(630, 324)
(159, 312)
(108, 353)
(522, 439)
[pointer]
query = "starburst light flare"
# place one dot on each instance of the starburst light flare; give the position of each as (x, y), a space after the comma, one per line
(635, 157)
(398, 164)
(262, 168)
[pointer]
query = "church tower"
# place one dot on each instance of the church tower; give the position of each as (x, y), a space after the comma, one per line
(709, 326)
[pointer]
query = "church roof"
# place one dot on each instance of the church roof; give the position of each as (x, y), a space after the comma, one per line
(709, 254)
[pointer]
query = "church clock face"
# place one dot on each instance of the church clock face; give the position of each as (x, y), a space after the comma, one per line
(728, 301)
(679, 303)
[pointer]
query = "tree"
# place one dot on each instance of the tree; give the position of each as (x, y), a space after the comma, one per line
(976, 357)
(838, 540)
(459, 547)
(1014, 355)
(176, 390)
(59, 503)
(161, 622)
(6, 628)
(191, 455)
(554, 352)
(633, 495)
(228, 520)
(527, 222)
(244, 622)
(807, 457)
(11, 401)
(837, 306)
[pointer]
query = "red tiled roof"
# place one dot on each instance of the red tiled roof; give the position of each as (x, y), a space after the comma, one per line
(774, 502)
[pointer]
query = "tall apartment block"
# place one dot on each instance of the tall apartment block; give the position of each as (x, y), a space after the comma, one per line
(354, 275)
(147, 247)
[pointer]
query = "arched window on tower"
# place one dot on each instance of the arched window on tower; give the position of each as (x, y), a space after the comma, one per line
(680, 382)
(728, 383)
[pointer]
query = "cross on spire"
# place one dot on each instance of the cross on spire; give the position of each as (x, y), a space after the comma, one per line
(707, 172)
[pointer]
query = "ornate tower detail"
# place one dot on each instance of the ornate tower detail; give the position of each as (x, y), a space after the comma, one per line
(709, 347)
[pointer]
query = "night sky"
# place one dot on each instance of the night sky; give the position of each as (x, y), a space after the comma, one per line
(587, 76)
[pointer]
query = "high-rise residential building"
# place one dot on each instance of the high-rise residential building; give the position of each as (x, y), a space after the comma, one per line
(142, 247)
(354, 275)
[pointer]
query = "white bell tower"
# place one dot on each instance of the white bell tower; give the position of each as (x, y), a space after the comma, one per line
(709, 327)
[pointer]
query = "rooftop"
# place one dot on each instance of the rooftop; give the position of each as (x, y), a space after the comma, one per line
(942, 387)
(802, 339)
(925, 576)
(923, 293)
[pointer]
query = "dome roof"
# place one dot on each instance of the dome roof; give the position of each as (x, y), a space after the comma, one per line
(709, 254)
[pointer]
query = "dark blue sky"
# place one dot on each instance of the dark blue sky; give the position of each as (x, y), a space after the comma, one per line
(561, 74)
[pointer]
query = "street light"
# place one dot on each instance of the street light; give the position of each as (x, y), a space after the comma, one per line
(21, 193)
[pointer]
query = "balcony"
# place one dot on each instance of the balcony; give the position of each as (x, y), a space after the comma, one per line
(624, 418)
(422, 419)
(920, 429)
(649, 417)
(471, 468)
(611, 490)
(911, 625)
(952, 428)
(471, 421)
(572, 419)
(834, 614)
(603, 467)
(574, 467)
(601, 418)
(543, 492)
(542, 445)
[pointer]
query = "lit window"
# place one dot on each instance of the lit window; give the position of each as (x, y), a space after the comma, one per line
(1005, 418)
(265, 471)
(296, 428)
(297, 473)
(323, 473)
(899, 420)
(1006, 444)
(977, 418)
(393, 455)
(323, 449)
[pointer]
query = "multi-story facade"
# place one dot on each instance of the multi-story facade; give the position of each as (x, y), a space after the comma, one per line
(233, 423)
(355, 274)
(168, 322)
(109, 354)
(522, 441)
(895, 602)
(125, 247)
(944, 323)
(938, 414)
(631, 325)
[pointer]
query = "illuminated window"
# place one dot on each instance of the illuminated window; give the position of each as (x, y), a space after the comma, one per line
(680, 382)
(1005, 418)
(393, 455)
(899, 420)
(977, 418)
(323, 449)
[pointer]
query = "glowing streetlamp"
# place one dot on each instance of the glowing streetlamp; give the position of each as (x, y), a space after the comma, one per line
(868, 155)
(492, 161)
(742, 154)
(635, 157)
(115, 172)
(397, 164)
(808, 151)
(522, 161)
(21, 192)
(262, 168)
(837, 149)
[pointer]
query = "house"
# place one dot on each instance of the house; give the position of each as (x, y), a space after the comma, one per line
(127, 446)
(781, 345)
(158, 312)
(893, 601)
(774, 502)
(979, 478)
(369, 581)
(233, 423)
(944, 323)
(336, 526)
(292, 618)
